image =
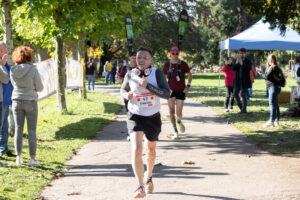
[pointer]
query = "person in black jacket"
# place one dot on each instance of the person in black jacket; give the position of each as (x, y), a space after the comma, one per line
(242, 81)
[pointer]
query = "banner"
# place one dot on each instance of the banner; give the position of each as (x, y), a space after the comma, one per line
(47, 70)
(74, 74)
(182, 26)
(48, 73)
(129, 32)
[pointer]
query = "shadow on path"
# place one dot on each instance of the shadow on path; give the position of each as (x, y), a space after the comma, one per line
(125, 170)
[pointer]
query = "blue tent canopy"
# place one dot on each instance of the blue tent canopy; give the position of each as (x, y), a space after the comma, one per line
(260, 37)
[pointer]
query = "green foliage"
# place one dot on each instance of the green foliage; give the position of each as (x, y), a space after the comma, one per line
(277, 12)
(59, 137)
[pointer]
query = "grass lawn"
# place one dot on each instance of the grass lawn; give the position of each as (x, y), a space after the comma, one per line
(59, 137)
(280, 140)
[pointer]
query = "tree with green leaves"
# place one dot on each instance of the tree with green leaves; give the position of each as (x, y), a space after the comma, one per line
(277, 12)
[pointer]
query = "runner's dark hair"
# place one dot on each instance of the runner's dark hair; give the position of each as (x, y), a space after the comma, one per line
(145, 49)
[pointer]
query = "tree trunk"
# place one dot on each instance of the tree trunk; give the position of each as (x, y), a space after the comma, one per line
(60, 61)
(42, 54)
(7, 27)
(81, 55)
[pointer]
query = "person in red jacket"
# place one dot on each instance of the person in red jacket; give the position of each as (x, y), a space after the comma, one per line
(229, 77)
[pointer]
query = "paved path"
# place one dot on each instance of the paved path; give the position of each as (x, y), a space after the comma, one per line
(227, 165)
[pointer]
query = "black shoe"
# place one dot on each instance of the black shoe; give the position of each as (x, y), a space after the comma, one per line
(10, 154)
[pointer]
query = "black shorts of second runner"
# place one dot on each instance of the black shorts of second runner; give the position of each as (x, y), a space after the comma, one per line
(178, 95)
(150, 125)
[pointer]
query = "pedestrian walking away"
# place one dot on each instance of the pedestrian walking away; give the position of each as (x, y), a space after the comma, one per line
(229, 77)
(175, 70)
(143, 87)
(4, 79)
(124, 70)
(242, 80)
(91, 73)
(26, 81)
(275, 79)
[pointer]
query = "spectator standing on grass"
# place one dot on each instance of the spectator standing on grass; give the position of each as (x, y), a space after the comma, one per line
(4, 79)
(229, 77)
(26, 81)
(90, 69)
(273, 77)
(242, 82)
(297, 65)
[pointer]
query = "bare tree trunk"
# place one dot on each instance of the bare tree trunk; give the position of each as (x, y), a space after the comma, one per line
(7, 26)
(42, 54)
(60, 61)
(81, 55)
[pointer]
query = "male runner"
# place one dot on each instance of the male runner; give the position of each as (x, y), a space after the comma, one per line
(143, 87)
(175, 71)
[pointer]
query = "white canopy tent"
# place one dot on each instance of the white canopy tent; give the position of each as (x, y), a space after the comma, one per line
(260, 37)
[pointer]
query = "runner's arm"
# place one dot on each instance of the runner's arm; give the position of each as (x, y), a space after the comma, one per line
(163, 90)
(125, 88)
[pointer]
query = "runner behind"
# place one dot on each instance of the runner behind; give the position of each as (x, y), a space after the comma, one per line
(122, 74)
(143, 87)
(175, 71)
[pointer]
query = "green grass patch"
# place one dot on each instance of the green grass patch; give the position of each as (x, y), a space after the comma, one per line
(282, 140)
(59, 137)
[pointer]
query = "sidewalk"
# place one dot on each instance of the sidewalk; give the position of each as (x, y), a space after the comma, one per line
(227, 164)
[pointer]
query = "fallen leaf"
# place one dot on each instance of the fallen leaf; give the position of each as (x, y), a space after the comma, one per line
(39, 175)
(74, 151)
(189, 163)
(40, 198)
(159, 164)
(74, 193)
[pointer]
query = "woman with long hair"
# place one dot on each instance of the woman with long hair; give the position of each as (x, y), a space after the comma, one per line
(274, 89)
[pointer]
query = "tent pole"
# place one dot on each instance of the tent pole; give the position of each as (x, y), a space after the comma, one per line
(228, 52)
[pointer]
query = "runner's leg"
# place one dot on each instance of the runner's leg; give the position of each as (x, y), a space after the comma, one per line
(171, 103)
(136, 139)
(151, 154)
(179, 108)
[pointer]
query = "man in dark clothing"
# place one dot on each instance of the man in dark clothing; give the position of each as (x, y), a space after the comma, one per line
(242, 80)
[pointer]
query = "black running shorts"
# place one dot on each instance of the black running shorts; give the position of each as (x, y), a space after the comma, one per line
(150, 125)
(178, 95)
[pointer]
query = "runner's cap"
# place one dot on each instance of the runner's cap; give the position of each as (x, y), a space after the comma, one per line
(174, 49)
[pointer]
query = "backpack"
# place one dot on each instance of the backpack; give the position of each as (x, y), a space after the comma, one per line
(170, 71)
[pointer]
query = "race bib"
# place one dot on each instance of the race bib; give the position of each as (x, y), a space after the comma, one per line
(145, 100)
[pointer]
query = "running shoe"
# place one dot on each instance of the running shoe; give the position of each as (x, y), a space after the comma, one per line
(149, 186)
(139, 193)
(175, 136)
(226, 110)
(268, 124)
(231, 110)
(181, 127)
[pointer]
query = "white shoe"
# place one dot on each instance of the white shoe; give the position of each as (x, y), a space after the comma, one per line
(231, 110)
(276, 124)
(226, 110)
(175, 136)
(268, 124)
(19, 160)
(34, 163)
